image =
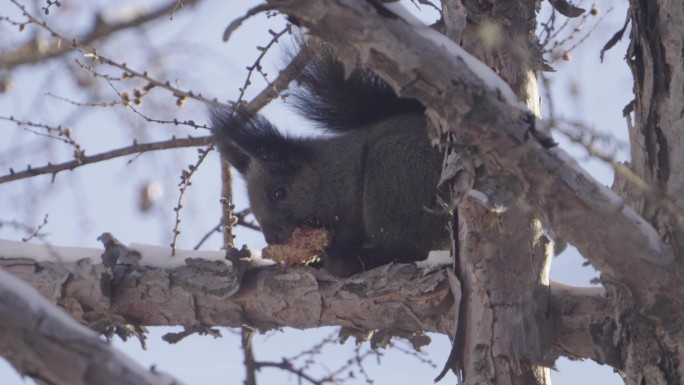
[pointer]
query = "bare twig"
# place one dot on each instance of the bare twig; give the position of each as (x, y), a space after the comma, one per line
(281, 82)
(269, 93)
(85, 104)
(184, 184)
(250, 364)
(579, 40)
(63, 133)
(206, 236)
(33, 231)
(243, 222)
(565, 8)
(240, 216)
(235, 24)
(128, 72)
(36, 231)
(552, 33)
(257, 63)
(135, 148)
(27, 54)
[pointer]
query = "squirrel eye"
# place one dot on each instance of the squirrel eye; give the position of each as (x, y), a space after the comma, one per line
(278, 195)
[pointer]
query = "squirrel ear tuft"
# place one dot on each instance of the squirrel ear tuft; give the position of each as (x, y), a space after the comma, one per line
(243, 138)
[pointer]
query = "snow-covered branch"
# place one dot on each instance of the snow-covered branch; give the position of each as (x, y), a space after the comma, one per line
(199, 289)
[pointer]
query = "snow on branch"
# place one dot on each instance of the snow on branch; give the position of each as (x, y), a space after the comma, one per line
(199, 290)
(463, 97)
(145, 285)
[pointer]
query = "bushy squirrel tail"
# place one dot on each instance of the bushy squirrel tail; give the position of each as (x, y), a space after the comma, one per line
(323, 94)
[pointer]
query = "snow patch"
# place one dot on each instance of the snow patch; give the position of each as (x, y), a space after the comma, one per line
(614, 200)
(479, 196)
(160, 256)
(481, 70)
(156, 256)
(258, 261)
(436, 258)
(48, 253)
(398, 9)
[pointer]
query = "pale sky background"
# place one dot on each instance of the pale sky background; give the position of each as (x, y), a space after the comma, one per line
(103, 197)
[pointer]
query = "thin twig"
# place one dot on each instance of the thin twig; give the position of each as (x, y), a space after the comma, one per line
(257, 63)
(36, 231)
(235, 24)
(133, 149)
(27, 54)
(247, 349)
(186, 176)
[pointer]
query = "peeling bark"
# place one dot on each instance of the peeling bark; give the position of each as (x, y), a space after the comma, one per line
(508, 330)
(584, 325)
(397, 299)
(505, 259)
(652, 336)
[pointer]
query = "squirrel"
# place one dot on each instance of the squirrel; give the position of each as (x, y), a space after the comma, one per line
(371, 184)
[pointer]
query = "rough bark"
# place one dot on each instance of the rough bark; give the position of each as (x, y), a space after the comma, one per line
(399, 298)
(42, 342)
(505, 259)
(570, 310)
(227, 219)
(652, 336)
(505, 267)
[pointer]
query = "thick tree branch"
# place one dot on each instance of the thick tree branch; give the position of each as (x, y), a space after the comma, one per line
(394, 298)
(42, 342)
(583, 325)
(397, 297)
(463, 98)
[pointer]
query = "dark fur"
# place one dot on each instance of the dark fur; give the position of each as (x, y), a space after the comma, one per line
(325, 96)
(372, 184)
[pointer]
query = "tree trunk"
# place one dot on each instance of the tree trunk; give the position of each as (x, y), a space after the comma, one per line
(504, 258)
(651, 331)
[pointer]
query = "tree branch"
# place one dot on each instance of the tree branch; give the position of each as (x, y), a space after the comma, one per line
(136, 148)
(28, 54)
(40, 341)
(395, 298)
(584, 325)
